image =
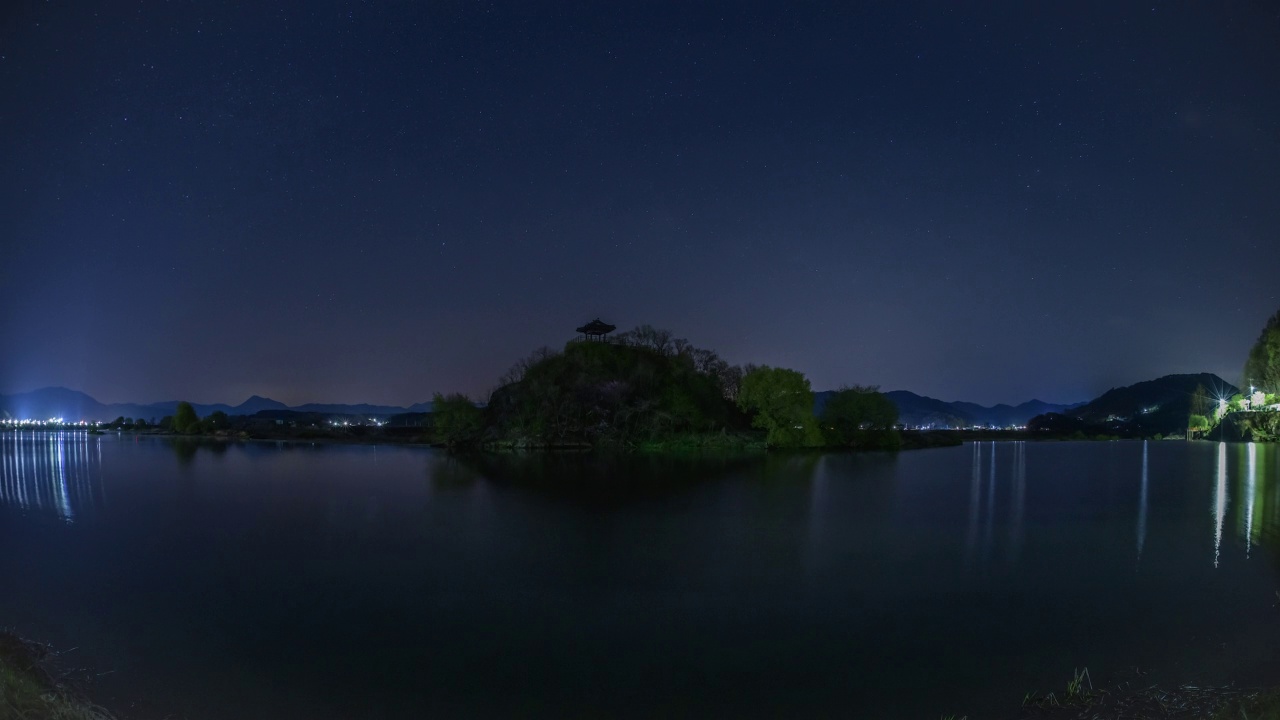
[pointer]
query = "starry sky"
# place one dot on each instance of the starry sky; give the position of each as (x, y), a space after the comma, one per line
(370, 202)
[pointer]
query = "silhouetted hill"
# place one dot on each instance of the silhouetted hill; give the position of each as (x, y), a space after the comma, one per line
(51, 402)
(1169, 393)
(921, 411)
(73, 405)
(254, 405)
(1146, 397)
(360, 409)
(1159, 406)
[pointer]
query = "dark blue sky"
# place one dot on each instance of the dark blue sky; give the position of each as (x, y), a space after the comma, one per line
(375, 201)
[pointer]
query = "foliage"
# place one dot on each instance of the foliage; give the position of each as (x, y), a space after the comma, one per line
(1262, 368)
(1200, 401)
(860, 416)
(185, 419)
(1260, 426)
(646, 387)
(458, 422)
(217, 420)
(705, 362)
(782, 404)
(1256, 706)
(1197, 423)
(27, 691)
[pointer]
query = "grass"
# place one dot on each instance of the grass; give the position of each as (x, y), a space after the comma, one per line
(1079, 693)
(1262, 706)
(1076, 691)
(28, 692)
(1132, 700)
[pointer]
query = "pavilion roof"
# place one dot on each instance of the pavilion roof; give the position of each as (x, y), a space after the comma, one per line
(596, 327)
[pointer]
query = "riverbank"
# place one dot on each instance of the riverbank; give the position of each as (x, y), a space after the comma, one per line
(29, 690)
(681, 444)
(1134, 699)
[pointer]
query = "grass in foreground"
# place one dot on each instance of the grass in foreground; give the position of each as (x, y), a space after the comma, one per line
(1263, 706)
(1133, 701)
(28, 692)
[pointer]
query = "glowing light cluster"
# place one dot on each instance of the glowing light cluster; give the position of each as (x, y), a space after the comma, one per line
(374, 422)
(51, 422)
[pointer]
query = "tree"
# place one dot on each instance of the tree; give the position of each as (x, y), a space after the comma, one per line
(1200, 401)
(782, 404)
(1262, 369)
(217, 420)
(647, 336)
(458, 422)
(860, 415)
(1197, 423)
(185, 419)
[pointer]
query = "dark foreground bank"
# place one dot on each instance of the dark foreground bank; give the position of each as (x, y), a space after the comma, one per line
(30, 689)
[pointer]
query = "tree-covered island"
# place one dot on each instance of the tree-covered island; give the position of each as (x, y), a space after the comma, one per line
(647, 389)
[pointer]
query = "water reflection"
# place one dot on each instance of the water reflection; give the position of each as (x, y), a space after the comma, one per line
(1142, 503)
(1219, 502)
(975, 482)
(186, 448)
(614, 480)
(1019, 499)
(1261, 496)
(59, 473)
(991, 506)
(982, 502)
(1250, 489)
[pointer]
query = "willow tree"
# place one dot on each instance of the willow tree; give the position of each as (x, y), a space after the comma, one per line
(1262, 369)
(781, 402)
(860, 415)
(185, 419)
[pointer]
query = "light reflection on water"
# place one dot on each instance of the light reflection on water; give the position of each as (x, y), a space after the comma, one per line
(1251, 487)
(1249, 474)
(1219, 502)
(729, 569)
(1256, 524)
(1143, 501)
(983, 497)
(58, 473)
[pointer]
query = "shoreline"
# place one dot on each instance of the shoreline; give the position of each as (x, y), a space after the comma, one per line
(911, 440)
(33, 687)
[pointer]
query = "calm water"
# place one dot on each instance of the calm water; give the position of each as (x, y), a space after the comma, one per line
(275, 581)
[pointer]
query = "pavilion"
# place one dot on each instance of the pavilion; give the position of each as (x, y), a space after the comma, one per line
(596, 330)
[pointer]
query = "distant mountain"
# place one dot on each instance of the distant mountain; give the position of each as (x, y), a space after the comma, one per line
(362, 409)
(255, 405)
(73, 405)
(1154, 406)
(51, 402)
(920, 411)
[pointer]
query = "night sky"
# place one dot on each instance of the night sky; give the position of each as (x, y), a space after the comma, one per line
(369, 202)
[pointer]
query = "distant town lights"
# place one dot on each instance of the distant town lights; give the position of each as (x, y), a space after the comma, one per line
(28, 422)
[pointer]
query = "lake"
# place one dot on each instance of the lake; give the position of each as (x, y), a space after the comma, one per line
(265, 580)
